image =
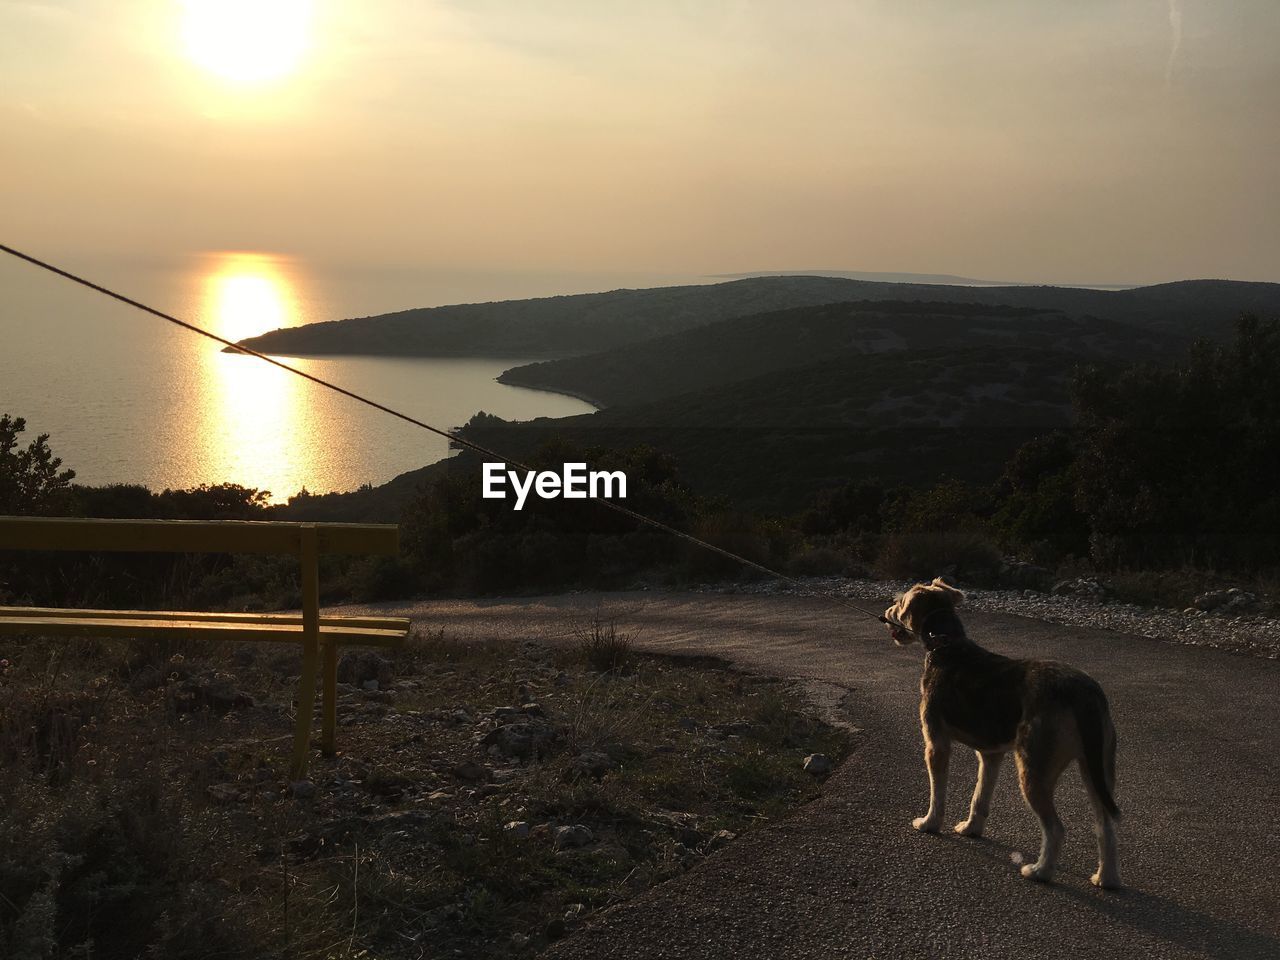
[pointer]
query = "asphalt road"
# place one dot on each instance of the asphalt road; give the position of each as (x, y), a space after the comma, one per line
(847, 876)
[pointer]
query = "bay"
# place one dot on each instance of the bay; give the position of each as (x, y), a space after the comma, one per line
(128, 398)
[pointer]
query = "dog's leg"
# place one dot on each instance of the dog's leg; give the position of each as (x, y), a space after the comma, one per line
(937, 755)
(1037, 780)
(988, 771)
(1104, 826)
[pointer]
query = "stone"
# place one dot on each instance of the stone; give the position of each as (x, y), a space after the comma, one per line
(576, 835)
(525, 739)
(214, 691)
(302, 789)
(1083, 587)
(518, 829)
(370, 685)
(720, 838)
(223, 793)
(593, 764)
(387, 784)
(360, 666)
(817, 764)
(471, 771)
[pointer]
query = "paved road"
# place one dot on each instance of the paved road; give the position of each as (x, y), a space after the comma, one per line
(846, 876)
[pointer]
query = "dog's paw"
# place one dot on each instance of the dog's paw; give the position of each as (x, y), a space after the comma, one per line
(969, 828)
(925, 825)
(1034, 871)
(1107, 881)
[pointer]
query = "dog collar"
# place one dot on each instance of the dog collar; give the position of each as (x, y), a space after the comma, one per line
(932, 641)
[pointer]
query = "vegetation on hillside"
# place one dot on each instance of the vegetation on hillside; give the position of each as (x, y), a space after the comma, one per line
(1161, 467)
(587, 323)
(717, 354)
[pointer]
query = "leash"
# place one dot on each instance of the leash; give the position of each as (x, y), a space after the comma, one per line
(447, 434)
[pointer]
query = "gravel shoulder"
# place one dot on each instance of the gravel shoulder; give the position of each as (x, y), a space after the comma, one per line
(847, 876)
(1252, 634)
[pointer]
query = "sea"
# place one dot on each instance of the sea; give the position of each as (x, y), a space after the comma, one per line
(128, 398)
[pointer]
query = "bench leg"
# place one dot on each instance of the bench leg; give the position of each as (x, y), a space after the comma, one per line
(306, 707)
(309, 553)
(329, 723)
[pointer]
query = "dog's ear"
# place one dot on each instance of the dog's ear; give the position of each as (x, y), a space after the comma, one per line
(957, 596)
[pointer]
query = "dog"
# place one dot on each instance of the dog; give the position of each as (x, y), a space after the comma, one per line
(1047, 713)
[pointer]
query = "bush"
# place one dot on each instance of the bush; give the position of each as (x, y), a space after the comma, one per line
(603, 648)
(31, 481)
(968, 554)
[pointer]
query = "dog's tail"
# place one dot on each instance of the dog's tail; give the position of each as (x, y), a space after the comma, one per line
(1098, 738)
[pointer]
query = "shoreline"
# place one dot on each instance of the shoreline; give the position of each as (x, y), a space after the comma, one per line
(564, 393)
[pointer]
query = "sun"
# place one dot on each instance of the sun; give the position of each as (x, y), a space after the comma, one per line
(247, 42)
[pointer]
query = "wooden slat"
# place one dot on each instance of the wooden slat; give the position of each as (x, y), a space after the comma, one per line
(203, 629)
(62, 613)
(192, 536)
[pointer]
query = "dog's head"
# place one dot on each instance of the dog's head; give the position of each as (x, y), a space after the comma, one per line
(908, 614)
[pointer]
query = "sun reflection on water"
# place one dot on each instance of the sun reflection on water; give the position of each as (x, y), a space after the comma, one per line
(256, 420)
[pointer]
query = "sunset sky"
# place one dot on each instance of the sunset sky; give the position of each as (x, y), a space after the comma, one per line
(1093, 141)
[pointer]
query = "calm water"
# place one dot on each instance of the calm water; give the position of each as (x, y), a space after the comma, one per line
(130, 398)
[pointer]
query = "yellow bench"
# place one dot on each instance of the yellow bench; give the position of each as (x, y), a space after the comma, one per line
(320, 636)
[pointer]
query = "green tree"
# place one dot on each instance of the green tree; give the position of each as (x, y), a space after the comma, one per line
(31, 478)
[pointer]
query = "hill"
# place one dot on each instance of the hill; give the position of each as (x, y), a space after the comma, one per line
(587, 323)
(771, 442)
(739, 349)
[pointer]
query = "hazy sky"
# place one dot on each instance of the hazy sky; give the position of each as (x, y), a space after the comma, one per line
(1040, 140)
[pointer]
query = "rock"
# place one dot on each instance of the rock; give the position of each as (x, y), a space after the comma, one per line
(471, 771)
(223, 793)
(572, 836)
(593, 764)
(214, 691)
(370, 685)
(1084, 587)
(517, 829)
(1210, 600)
(302, 789)
(555, 928)
(720, 838)
(1021, 575)
(387, 784)
(360, 666)
(524, 739)
(817, 764)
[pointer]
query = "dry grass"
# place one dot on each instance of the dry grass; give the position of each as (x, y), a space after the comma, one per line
(141, 821)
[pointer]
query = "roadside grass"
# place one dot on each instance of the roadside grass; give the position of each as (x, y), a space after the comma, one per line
(147, 810)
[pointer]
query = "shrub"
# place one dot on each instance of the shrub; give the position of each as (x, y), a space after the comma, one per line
(30, 478)
(968, 554)
(603, 648)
